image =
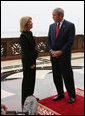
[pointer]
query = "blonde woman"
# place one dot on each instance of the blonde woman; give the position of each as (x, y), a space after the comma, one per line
(29, 55)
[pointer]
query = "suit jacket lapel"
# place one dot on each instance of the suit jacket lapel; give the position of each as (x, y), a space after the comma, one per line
(55, 24)
(61, 31)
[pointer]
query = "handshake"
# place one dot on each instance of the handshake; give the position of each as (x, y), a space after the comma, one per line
(56, 54)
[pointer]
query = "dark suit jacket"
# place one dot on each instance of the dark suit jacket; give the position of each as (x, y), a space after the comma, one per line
(29, 54)
(65, 37)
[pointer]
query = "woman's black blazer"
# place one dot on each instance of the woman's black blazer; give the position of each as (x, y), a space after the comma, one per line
(29, 53)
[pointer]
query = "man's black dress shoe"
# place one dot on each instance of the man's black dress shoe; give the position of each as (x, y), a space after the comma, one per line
(58, 98)
(71, 100)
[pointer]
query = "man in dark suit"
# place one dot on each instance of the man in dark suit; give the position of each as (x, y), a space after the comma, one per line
(60, 39)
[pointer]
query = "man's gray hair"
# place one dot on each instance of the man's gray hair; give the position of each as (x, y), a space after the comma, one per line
(59, 11)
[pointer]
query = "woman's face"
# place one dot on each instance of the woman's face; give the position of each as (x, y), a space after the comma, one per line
(30, 24)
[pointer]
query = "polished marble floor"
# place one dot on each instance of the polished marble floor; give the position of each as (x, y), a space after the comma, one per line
(11, 79)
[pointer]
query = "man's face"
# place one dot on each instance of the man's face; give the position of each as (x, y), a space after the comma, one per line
(56, 17)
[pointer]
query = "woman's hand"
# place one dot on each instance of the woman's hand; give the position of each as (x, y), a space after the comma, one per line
(33, 66)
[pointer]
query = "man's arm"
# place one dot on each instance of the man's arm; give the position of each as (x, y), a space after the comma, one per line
(70, 41)
(49, 40)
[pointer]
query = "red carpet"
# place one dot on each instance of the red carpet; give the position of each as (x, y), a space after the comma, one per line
(48, 107)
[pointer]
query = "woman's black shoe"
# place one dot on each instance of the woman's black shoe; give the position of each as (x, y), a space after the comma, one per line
(58, 98)
(37, 99)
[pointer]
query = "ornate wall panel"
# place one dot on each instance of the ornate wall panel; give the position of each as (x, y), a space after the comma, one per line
(10, 47)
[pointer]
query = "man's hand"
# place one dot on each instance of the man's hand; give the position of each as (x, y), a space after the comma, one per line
(59, 53)
(56, 54)
(52, 53)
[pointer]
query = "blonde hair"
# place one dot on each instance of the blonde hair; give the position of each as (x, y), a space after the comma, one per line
(24, 23)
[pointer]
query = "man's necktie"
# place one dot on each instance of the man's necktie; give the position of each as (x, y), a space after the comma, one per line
(57, 29)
